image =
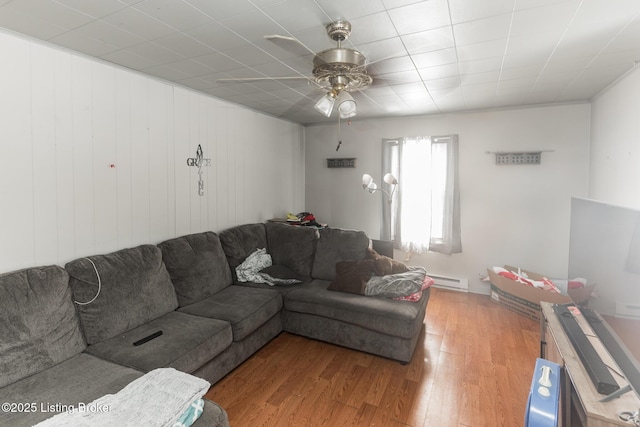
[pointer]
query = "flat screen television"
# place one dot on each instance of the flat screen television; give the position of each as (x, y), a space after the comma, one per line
(604, 248)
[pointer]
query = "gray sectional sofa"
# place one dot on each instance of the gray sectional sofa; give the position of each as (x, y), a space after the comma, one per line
(72, 335)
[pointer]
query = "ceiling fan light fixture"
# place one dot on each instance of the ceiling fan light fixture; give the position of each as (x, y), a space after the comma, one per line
(346, 105)
(325, 104)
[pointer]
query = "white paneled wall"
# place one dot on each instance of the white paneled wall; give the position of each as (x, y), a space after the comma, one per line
(93, 158)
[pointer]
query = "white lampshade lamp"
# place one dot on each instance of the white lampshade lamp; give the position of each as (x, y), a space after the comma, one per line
(369, 185)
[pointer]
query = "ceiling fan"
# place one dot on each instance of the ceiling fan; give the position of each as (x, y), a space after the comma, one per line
(338, 71)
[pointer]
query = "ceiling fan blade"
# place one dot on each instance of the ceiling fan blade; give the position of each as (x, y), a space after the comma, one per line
(291, 44)
(257, 79)
(382, 59)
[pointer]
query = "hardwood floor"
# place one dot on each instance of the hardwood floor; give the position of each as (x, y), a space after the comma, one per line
(472, 368)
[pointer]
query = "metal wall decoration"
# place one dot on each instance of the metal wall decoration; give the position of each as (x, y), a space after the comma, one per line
(199, 161)
(341, 163)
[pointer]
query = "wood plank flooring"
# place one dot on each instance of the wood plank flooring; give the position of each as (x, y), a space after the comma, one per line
(472, 368)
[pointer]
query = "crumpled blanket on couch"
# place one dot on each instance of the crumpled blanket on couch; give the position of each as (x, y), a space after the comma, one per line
(250, 270)
(397, 285)
(160, 398)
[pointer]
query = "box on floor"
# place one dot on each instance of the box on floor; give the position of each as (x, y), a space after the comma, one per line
(525, 300)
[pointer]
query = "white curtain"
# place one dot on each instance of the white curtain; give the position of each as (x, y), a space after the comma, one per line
(425, 214)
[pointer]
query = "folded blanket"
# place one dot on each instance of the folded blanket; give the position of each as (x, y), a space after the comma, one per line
(397, 285)
(157, 399)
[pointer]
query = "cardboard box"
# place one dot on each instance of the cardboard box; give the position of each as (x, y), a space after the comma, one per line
(525, 300)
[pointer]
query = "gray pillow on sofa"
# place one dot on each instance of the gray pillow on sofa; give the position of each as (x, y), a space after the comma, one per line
(241, 241)
(39, 324)
(197, 266)
(292, 246)
(135, 289)
(335, 245)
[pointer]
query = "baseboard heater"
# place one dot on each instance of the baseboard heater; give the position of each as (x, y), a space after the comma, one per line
(451, 283)
(624, 309)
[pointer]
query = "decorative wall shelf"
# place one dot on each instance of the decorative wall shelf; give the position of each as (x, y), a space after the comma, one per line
(342, 163)
(518, 157)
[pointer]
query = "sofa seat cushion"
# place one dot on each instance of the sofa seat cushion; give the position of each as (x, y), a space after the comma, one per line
(197, 265)
(135, 288)
(398, 318)
(80, 379)
(245, 308)
(187, 342)
(39, 323)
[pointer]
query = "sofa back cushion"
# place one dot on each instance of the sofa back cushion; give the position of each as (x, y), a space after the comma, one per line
(241, 241)
(335, 245)
(135, 289)
(292, 247)
(197, 265)
(39, 324)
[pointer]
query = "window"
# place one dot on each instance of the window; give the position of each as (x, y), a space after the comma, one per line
(425, 214)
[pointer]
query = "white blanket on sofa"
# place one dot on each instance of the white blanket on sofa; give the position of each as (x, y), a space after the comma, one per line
(157, 399)
(397, 285)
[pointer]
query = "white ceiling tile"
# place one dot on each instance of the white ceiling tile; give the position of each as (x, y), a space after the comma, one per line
(49, 11)
(94, 8)
(558, 63)
(552, 20)
(26, 24)
(216, 36)
(383, 50)
(392, 65)
(480, 65)
(625, 58)
(85, 44)
(442, 84)
(352, 9)
(544, 44)
(156, 53)
(139, 23)
(420, 16)
(524, 60)
(218, 61)
(166, 72)
(627, 38)
(529, 73)
(372, 28)
(187, 46)
(177, 14)
(219, 10)
(490, 49)
(490, 77)
(439, 71)
(287, 15)
(129, 59)
(471, 10)
(428, 41)
(252, 25)
(410, 88)
(438, 57)
(249, 55)
(191, 67)
(482, 30)
(107, 33)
